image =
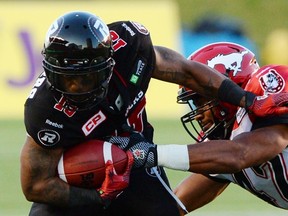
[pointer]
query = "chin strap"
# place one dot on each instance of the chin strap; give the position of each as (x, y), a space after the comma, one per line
(169, 190)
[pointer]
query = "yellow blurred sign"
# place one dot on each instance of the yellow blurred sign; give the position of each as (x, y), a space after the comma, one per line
(23, 25)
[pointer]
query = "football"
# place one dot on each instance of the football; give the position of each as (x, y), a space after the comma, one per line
(83, 165)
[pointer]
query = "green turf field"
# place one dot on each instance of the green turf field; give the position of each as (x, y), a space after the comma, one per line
(234, 201)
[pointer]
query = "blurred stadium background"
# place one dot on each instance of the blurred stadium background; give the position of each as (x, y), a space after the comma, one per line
(183, 25)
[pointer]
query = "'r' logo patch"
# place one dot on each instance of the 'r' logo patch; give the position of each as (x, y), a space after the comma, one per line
(48, 137)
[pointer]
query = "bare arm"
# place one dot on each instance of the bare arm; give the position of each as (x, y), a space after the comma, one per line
(197, 190)
(173, 67)
(226, 156)
(39, 179)
(246, 150)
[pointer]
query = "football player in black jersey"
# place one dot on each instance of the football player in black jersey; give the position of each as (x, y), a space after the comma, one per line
(94, 82)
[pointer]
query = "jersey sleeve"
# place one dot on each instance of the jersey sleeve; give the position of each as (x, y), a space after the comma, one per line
(36, 128)
(133, 53)
(39, 127)
(38, 115)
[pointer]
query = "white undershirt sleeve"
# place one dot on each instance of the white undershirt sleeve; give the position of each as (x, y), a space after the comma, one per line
(173, 156)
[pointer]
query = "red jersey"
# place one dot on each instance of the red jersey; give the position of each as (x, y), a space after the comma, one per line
(268, 181)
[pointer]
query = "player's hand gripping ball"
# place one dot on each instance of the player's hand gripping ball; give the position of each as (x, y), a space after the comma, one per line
(83, 165)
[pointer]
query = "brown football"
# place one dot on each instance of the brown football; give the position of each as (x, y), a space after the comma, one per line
(83, 165)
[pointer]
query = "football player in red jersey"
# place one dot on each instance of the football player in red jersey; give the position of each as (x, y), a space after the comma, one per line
(254, 155)
(94, 82)
(240, 147)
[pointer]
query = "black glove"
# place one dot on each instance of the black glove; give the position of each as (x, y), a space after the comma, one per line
(144, 152)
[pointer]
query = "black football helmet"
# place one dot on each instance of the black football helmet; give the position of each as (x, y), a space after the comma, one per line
(78, 59)
(232, 60)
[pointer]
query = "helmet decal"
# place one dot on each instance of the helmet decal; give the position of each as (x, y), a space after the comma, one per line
(271, 82)
(231, 61)
(53, 31)
(53, 28)
(100, 30)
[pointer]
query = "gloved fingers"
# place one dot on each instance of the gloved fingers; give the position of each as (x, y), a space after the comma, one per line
(129, 164)
(130, 158)
(281, 111)
(121, 142)
(281, 99)
(109, 172)
(135, 139)
(109, 165)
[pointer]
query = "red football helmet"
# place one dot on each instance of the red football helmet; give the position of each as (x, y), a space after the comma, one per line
(235, 62)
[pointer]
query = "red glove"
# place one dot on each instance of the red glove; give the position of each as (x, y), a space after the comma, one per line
(114, 184)
(273, 104)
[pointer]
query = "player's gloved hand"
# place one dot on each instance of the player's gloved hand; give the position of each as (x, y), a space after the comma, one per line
(114, 184)
(144, 152)
(273, 104)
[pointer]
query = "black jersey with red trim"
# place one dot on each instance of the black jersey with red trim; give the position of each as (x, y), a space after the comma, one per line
(51, 124)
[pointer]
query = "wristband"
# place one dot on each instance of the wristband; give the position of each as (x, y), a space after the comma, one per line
(173, 156)
(249, 99)
(83, 196)
(230, 92)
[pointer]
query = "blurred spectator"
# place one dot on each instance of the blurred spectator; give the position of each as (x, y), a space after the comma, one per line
(213, 28)
(276, 46)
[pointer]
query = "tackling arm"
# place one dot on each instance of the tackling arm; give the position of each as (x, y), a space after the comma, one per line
(214, 156)
(173, 67)
(230, 156)
(197, 190)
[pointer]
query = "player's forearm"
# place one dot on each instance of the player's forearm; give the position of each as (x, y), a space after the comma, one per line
(173, 67)
(74, 196)
(80, 196)
(202, 158)
(58, 193)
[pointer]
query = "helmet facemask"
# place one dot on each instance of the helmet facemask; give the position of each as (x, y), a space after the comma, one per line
(82, 87)
(219, 126)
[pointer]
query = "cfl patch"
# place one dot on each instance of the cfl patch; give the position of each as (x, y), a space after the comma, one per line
(138, 71)
(138, 154)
